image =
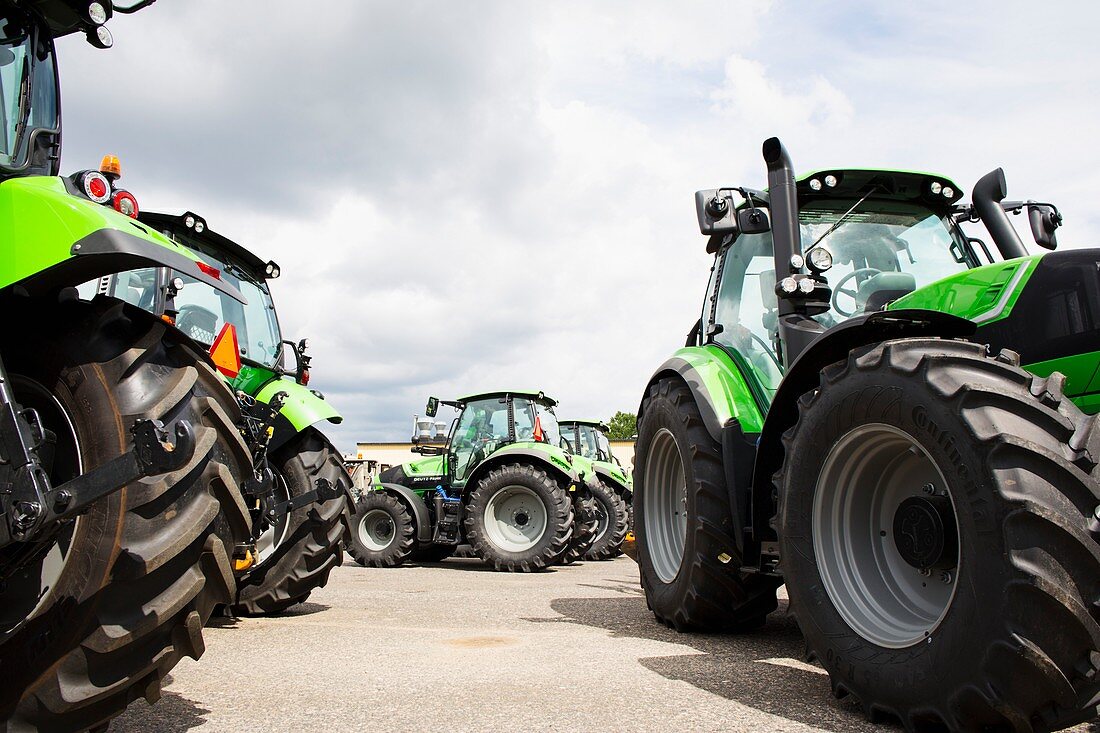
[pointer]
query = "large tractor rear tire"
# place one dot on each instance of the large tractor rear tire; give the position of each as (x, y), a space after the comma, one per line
(106, 606)
(310, 544)
(518, 518)
(683, 522)
(586, 524)
(612, 517)
(935, 506)
(382, 531)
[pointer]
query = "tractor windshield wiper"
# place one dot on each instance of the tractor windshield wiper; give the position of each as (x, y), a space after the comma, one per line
(843, 217)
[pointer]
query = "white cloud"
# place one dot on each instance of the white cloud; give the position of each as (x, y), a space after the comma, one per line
(468, 196)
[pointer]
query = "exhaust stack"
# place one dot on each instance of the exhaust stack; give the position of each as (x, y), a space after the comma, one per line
(988, 193)
(783, 198)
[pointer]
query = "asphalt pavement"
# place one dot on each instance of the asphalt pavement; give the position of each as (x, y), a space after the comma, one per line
(454, 646)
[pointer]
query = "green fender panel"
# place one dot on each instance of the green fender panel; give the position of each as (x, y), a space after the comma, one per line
(302, 408)
(720, 389)
(62, 239)
(552, 456)
(614, 474)
(586, 470)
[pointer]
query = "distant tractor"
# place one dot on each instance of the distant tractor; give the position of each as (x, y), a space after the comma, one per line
(614, 492)
(499, 481)
(876, 411)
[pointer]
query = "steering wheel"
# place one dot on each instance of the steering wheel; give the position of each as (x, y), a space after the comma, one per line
(767, 349)
(854, 295)
(197, 322)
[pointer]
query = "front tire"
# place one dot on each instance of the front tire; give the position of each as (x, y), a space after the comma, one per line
(924, 453)
(518, 518)
(311, 543)
(382, 531)
(683, 522)
(146, 565)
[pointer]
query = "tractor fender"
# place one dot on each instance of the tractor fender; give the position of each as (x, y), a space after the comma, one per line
(803, 375)
(617, 479)
(716, 383)
(557, 466)
(76, 240)
(302, 408)
(416, 505)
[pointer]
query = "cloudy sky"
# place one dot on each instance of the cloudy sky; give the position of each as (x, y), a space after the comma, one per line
(475, 195)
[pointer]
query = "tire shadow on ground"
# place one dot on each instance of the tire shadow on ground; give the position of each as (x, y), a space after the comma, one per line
(173, 713)
(762, 669)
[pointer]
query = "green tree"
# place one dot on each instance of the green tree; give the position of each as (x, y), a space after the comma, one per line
(622, 426)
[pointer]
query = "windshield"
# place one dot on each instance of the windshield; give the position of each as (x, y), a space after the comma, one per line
(481, 429)
(590, 443)
(882, 251)
(28, 90)
(536, 422)
(202, 311)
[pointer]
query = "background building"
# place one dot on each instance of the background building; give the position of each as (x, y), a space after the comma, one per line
(394, 454)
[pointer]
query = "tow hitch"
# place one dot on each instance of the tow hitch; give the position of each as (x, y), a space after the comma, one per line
(31, 507)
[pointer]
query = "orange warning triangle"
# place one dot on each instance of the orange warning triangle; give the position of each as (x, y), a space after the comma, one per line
(226, 353)
(538, 435)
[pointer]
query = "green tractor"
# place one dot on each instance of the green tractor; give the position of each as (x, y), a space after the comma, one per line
(500, 481)
(299, 498)
(878, 412)
(614, 490)
(121, 464)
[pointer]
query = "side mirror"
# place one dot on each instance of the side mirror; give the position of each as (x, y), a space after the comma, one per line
(433, 407)
(1044, 219)
(718, 214)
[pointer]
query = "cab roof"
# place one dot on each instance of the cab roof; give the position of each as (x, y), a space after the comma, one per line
(216, 242)
(894, 184)
(534, 395)
(599, 424)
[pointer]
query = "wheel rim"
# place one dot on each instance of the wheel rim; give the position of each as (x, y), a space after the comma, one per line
(515, 519)
(875, 507)
(29, 588)
(270, 539)
(666, 506)
(603, 521)
(377, 530)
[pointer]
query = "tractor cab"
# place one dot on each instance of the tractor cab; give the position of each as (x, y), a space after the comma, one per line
(204, 313)
(868, 237)
(485, 424)
(588, 438)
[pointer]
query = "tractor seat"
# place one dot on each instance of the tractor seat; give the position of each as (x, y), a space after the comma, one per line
(879, 290)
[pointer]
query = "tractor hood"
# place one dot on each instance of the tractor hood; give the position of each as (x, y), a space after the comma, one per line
(51, 236)
(1044, 307)
(613, 472)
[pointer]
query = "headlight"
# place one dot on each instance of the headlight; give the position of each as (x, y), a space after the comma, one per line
(806, 285)
(820, 259)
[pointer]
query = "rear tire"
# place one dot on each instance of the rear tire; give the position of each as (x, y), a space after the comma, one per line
(1017, 614)
(382, 531)
(518, 518)
(683, 522)
(613, 516)
(146, 565)
(311, 547)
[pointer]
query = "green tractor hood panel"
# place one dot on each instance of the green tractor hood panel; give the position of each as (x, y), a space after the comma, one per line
(302, 407)
(51, 237)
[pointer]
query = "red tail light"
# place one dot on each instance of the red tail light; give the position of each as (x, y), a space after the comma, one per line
(211, 271)
(305, 377)
(96, 186)
(125, 203)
